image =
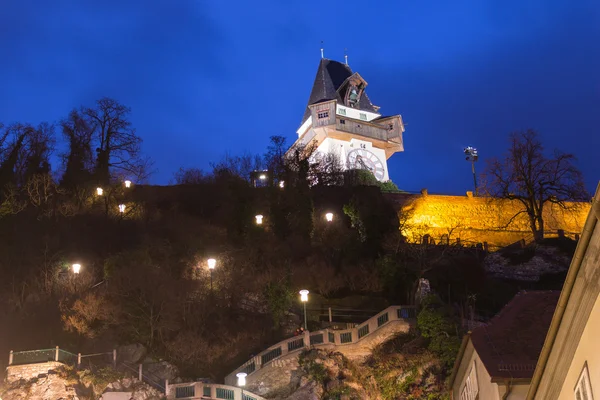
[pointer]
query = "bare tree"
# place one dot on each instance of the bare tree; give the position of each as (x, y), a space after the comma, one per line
(118, 145)
(190, 176)
(527, 175)
(275, 157)
(240, 166)
(78, 162)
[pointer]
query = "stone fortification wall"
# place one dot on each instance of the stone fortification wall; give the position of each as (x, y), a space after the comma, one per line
(30, 371)
(472, 219)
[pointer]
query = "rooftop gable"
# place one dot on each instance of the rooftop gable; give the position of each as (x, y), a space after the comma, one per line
(510, 344)
(331, 75)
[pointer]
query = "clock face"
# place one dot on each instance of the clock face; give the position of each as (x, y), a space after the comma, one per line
(364, 159)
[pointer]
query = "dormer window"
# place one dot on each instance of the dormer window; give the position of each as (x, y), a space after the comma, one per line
(342, 111)
(323, 114)
(363, 116)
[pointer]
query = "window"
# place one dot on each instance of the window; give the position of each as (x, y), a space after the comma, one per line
(342, 111)
(363, 116)
(471, 388)
(323, 114)
(343, 121)
(583, 390)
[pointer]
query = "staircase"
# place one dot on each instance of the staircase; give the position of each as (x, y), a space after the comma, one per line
(354, 342)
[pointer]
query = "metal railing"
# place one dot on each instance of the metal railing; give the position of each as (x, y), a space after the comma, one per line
(59, 355)
(202, 390)
(325, 337)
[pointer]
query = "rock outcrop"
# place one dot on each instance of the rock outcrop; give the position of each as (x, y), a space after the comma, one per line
(65, 383)
(527, 264)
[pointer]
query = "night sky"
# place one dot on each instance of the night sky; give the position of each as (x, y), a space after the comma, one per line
(203, 78)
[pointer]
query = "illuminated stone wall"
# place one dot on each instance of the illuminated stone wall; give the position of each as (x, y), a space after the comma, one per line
(477, 219)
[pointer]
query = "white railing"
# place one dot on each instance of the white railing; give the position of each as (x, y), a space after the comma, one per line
(201, 390)
(323, 338)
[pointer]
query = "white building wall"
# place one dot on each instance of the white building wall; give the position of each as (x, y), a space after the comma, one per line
(588, 351)
(486, 388)
(356, 114)
(341, 148)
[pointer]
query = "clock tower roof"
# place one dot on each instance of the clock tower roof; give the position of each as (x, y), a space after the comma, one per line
(331, 76)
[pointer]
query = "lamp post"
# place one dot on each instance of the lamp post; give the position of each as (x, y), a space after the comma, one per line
(127, 183)
(259, 219)
(99, 191)
(472, 156)
(329, 217)
(241, 381)
(121, 208)
(304, 299)
(76, 268)
(211, 265)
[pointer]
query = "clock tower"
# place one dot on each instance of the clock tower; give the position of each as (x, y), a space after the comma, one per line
(340, 119)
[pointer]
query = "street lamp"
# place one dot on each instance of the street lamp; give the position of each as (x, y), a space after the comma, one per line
(472, 156)
(127, 183)
(99, 191)
(121, 208)
(282, 184)
(211, 265)
(329, 217)
(304, 299)
(241, 381)
(259, 219)
(76, 268)
(262, 177)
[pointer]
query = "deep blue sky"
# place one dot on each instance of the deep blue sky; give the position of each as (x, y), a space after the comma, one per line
(206, 77)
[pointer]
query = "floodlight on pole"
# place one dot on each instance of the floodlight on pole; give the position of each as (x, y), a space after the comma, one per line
(259, 219)
(472, 156)
(329, 217)
(304, 300)
(76, 268)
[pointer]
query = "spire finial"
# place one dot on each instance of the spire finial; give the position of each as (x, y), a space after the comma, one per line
(346, 56)
(322, 52)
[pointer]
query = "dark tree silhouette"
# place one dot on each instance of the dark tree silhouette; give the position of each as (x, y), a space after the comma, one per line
(118, 145)
(527, 175)
(35, 155)
(78, 161)
(275, 157)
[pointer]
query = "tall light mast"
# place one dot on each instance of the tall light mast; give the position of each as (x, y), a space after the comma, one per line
(472, 156)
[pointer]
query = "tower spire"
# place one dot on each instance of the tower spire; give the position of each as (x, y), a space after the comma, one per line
(346, 56)
(322, 52)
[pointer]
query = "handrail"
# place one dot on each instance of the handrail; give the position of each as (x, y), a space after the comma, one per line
(329, 337)
(147, 379)
(201, 390)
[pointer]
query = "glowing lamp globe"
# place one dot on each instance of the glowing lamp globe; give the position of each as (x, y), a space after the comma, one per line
(259, 219)
(262, 177)
(212, 263)
(76, 268)
(281, 184)
(241, 381)
(329, 217)
(127, 184)
(99, 191)
(121, 208)
(304, 295)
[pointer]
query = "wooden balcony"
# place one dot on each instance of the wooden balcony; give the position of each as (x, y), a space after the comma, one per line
(368, 130)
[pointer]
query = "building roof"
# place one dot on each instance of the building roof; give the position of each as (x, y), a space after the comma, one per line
(510, 344)
(330, 76)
